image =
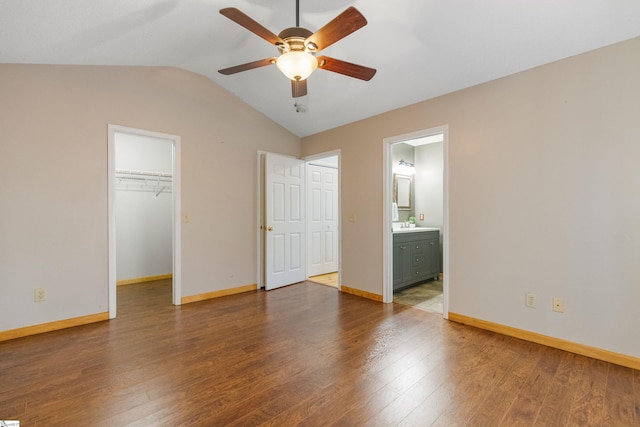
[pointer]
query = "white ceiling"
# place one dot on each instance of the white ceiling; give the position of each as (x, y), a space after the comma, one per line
(421, 48)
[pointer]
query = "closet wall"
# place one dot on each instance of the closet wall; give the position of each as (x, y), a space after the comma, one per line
(144, 242)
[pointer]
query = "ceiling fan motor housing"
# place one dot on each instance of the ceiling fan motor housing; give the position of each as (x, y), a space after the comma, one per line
(294, 38)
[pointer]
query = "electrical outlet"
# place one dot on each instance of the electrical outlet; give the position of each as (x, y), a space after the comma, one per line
(531, 300)
(40, 294)
(558, 305)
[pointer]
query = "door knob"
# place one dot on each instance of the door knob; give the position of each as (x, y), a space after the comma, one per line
(269, 228)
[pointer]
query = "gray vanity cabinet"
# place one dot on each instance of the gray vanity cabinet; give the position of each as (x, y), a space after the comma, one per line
(416, 257)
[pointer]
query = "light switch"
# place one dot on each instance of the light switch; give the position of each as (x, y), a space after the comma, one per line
(186, 217)
(352, 217)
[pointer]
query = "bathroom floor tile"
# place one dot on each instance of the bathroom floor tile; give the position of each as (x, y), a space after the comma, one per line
(425, 296)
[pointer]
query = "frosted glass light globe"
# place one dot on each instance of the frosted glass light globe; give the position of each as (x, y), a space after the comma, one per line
(297, 65)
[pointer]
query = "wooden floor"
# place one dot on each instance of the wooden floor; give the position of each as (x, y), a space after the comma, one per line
(304, 354)
(329, 279)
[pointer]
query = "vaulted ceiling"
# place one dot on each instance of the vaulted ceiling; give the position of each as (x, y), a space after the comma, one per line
(420, 48)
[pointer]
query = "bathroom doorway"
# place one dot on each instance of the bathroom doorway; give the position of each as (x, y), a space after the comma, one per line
(144, 230)
(415, 220)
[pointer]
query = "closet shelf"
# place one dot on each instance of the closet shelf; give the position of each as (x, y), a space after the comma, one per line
(144, 181)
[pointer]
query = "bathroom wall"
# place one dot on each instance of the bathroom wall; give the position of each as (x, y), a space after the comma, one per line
(429, 184)
(402, 151)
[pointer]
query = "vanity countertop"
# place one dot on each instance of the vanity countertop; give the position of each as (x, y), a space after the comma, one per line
(414, 229)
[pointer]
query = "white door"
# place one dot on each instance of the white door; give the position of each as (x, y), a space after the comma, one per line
(322, 209)
(284, 225)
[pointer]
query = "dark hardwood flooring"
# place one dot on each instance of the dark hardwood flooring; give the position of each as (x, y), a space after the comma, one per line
(301, 355)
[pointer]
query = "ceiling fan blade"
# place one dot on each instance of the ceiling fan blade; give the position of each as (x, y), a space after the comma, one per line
(341, 26)
(247, 66)
(347, 68)
(298, 88)
(242, 19)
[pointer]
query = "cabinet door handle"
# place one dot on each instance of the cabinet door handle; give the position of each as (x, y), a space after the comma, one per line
(432, 243)
(403, 247)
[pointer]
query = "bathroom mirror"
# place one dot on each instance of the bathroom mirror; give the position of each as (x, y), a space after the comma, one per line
(402, 191)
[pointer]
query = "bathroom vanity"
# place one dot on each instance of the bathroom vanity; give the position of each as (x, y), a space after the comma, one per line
(416, 256)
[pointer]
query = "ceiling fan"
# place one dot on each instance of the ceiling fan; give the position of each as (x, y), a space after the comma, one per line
(298, 47)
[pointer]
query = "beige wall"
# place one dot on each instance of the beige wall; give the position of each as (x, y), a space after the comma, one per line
(544, 186)
(53, 170)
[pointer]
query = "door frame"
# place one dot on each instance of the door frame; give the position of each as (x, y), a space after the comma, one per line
(387, 196)
(259, 218)
(260, 211)
(112, 130)
(308, 159)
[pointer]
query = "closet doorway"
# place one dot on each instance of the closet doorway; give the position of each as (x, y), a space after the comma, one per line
(323, 219)
(317, 209)
(144, 194)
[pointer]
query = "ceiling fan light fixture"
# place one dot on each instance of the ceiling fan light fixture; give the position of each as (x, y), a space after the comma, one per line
(297, 65)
